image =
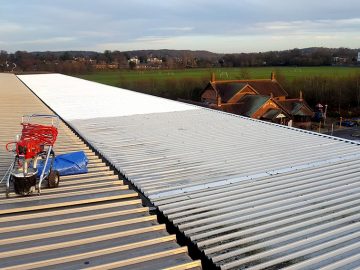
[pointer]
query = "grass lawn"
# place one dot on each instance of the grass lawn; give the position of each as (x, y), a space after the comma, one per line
(115, 77)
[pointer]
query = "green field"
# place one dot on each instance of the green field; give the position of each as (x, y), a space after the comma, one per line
(117, 77)
(339, 87)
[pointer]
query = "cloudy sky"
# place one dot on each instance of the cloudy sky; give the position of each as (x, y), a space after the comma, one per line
(218, 26)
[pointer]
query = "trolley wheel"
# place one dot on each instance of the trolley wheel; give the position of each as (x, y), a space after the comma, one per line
(7, 192)
(53, 179)
(24, 186)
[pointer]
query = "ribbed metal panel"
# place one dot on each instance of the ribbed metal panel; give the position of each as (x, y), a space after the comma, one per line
(249, 194)
(90, 221)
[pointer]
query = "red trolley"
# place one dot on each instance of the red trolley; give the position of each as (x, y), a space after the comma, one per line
(33, 147)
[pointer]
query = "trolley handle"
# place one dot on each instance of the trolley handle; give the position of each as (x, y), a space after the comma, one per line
(7, 147)
(54, 118)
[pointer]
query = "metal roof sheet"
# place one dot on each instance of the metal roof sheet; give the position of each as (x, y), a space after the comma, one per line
(90, 221)
(248, 193)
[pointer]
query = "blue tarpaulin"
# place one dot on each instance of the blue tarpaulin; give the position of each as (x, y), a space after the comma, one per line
(67, 164)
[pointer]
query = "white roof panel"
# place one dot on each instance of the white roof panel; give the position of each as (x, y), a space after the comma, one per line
(74, 98)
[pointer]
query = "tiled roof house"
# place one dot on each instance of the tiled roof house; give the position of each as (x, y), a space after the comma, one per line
(262, 99)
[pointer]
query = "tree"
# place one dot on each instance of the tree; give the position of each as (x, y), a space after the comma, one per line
(25, 61)
(3, 59)
(132, 65)
(108, 56)
(65, 56)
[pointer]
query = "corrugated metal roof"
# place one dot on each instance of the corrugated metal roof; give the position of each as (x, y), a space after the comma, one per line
(91, 221)
(249, 194)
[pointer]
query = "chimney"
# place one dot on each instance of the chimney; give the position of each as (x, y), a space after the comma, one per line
(212, 77)
(273, 76)
(301, 95)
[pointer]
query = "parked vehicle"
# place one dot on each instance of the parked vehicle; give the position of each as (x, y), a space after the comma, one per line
(356, 121)
(346, 123)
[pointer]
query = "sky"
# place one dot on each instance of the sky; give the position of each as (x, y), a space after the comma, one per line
(222, 26)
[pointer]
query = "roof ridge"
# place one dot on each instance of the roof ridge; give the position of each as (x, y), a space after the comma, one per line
(292, 99)
(244, 81)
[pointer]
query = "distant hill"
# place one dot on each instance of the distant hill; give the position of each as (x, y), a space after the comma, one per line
(71, 53)
(139, 53)
(173, 53)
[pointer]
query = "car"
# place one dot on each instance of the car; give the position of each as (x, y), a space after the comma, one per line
(356, 121)
(346, 123)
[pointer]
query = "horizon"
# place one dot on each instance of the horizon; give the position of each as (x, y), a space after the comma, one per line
(243, 26)
(290, 49)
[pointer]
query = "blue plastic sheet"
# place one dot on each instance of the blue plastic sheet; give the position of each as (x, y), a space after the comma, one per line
(67, 164)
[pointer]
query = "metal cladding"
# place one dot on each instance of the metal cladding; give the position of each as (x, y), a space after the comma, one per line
(91, 220)
(249, 194)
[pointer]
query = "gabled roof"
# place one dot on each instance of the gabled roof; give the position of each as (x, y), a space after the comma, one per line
(266, 87)
(295, 107)
(271, 114)
(247, 106)
(227, 89)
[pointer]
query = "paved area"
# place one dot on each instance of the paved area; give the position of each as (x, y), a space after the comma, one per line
(348, 133)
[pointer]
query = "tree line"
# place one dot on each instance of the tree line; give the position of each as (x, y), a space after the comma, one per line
(294, 57)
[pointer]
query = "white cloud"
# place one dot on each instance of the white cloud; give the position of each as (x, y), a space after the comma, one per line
(153, 39)
(181, 29)
(95, 33)
(293, 27)
(53, 40)
(7, 27)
